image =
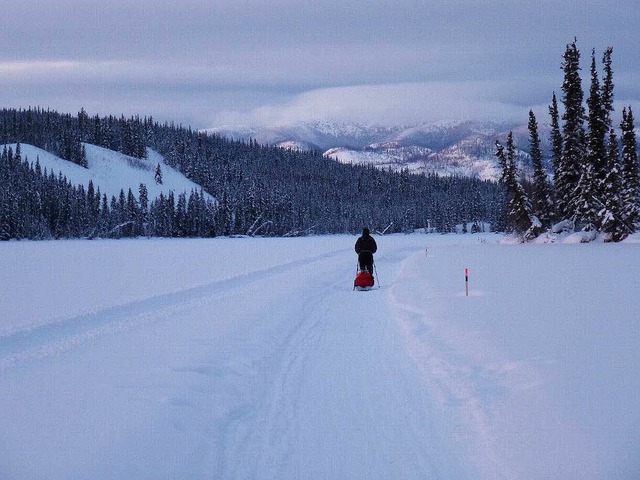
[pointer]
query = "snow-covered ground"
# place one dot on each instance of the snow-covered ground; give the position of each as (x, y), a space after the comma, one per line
(254, 359)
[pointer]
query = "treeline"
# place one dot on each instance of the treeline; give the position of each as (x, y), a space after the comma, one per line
(64, 134)
(259, 190)
(596, 176)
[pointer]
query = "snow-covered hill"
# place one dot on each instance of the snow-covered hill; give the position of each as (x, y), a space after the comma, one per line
(446, 148)
(112, 171)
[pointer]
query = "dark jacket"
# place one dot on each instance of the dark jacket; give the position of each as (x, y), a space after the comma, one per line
(366, 243)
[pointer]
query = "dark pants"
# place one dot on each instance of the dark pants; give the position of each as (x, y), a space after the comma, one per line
(365, 260)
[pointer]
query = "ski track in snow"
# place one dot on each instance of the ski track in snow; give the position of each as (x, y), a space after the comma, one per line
(319, 374)
(452, 380)
(53, 338)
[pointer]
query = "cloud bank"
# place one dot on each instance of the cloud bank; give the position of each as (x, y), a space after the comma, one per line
(388, 104)
(204, 62)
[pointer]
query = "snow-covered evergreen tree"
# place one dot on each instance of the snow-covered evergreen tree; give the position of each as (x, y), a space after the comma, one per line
(133, 215)
(104, 217)
(606, 96)
(93, 199)
(541, 198)
(556, 145)
(181, 218)
(518, 209)
(611, 220)
(574, 147)
(630, 171)
(143, 199)
(158, 175)
(589, 196)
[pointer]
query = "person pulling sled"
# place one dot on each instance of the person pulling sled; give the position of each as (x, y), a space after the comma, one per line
(365, 248)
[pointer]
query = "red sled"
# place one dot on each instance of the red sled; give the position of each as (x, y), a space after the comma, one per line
(363, 281)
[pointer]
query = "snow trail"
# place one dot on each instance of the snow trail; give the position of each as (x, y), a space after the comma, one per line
(283, 372)
(343, 401)
(40, 341)
(452, 379)
(263, 363)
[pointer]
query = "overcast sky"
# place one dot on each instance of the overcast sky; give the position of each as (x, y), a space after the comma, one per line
(209, 63)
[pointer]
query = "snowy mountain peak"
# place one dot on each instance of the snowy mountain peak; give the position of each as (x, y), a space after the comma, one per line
(446, 148)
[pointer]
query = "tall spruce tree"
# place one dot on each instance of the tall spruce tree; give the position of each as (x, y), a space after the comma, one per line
(630, 172)
(606, 96)
(143, 198)
(590, 194)
(518, 208)
(610, 213)
(556, 143)
(608, 177)
(541, 203)
(573, 148)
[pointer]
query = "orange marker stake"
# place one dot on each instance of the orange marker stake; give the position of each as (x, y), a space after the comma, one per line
(466, 282)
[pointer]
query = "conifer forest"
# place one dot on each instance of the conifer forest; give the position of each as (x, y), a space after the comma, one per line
(596, 184)
(258, 190)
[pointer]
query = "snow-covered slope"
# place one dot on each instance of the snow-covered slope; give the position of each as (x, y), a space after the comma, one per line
(445, 148)
(112, 171)
(254, 359)
(453, 160)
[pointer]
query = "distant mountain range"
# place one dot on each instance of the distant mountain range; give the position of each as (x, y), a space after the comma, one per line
(446, 148)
